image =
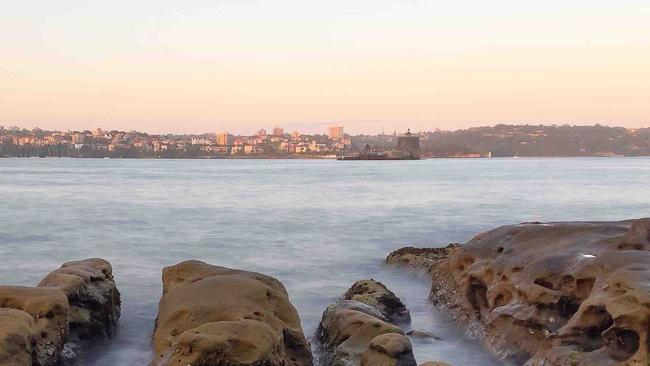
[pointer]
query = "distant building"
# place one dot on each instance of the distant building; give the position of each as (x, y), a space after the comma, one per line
(278, 131)
(200, 141)
(295, 135)
(78, 138)
(250, 149)
(335, 132)
(225, 139)
(261, 132)
(409, 145)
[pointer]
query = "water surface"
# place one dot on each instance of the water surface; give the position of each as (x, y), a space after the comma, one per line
(317, 225)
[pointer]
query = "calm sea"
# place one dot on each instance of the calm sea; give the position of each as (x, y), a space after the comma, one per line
(317, 225)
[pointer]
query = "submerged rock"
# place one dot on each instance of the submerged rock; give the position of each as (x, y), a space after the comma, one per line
(211, 315)
(77, 302)
(353, 333)
(553, 294)
(376, 295)
(422, 334)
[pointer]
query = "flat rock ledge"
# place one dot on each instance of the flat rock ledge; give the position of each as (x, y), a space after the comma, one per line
(47, 324)
(216, 316)
(567, 293)
(359, 329)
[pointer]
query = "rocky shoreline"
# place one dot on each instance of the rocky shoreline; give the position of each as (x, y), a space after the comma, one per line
(536, 294)
(575, 293)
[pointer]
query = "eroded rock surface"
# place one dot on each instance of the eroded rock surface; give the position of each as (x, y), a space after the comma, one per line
(37, 322)
(376, 295)
(213, 316)
(435, 363)
(552, 294)
(48, 309)
(354, 333)
(92, 294)
(16, 329)
(420, 259)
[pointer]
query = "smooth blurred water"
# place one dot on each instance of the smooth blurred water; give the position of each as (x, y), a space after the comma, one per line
(317, 225)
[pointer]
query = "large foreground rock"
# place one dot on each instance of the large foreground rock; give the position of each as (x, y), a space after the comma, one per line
(355, 333)
(36, 323)
(551, 294)
(214, 316)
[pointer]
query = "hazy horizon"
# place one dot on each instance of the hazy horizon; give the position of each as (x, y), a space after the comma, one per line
(239, 66)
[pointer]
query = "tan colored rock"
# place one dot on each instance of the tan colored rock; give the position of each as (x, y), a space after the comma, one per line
(361, 307)
(352, 333)
(92, 294)
(49, 309)
(77, 302)
(422, 334)
(389, 349)
(419, 259)
(376, 295)
(553, 294)
(16, 330)
(435, 363)
(211, 315)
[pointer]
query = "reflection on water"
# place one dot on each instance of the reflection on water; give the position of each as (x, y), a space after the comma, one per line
(316, 225)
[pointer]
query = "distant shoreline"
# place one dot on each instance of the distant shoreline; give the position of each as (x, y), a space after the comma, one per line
(484, 142)
(302, 157)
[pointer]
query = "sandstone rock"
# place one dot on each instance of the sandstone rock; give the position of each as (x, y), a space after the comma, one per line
(354, 333)
(16, 329)
(49, 310)
(553, 294)
(77, 302)
(346, 335)
(92, 294)
(422, 334)
(420, 259)
(361, 307)
(376, 295)
(389, 349)
(211, 315)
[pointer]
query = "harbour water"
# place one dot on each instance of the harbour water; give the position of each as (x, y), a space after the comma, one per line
(317, 225)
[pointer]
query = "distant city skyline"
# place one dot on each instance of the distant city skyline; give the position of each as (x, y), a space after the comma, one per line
(485, 142)
(198, 66)
(334, 130)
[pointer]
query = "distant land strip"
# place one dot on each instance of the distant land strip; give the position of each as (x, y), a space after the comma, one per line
(477, 142)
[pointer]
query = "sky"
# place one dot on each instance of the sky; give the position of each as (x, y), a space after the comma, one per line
(240, 65)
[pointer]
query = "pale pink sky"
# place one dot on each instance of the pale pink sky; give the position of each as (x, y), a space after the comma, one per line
(205, 66)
